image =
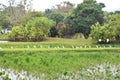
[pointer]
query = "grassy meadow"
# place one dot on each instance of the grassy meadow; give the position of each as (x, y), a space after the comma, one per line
(55, 43)
(59, 59)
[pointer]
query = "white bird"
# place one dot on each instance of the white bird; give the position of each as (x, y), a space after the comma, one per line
(89, 46)
(41, 46)
(0, 48)
(28, 46)
(11, 47)
(80, 46)
(96, 46)
(34, 46)
(110, 46)
(72, 46)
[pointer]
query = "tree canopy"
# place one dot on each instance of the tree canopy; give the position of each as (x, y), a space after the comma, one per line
(86, 14)
(110, 30)
(35, 30)
(63, 20)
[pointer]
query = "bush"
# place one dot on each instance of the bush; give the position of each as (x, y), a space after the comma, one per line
(35, 30)
(103, 34)
(110, 31)
(4, 36)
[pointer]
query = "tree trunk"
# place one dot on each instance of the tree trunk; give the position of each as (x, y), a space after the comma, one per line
(86, 36)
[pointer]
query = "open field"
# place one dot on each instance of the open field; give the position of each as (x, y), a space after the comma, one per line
(58, 58)
(53, 63)
(58, 42)
(52, 42)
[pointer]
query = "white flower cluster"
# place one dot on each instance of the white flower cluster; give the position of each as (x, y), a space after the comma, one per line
(105, 71)
(11, 74)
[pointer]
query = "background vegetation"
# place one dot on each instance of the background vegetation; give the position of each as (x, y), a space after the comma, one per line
(65, 20)
(60, 58)
(55, 62)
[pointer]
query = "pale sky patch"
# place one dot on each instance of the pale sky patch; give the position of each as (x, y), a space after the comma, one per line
(41, 5)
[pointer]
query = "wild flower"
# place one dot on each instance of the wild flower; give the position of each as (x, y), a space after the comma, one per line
(11, 74)
(34, 46)
(105, 71)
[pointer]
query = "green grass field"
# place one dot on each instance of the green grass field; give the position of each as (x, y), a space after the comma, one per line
(55, 43)
(53, 59)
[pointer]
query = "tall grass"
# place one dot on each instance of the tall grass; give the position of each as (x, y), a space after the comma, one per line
(57, 57)
(56, 42)
(53, 42)
(52, 62)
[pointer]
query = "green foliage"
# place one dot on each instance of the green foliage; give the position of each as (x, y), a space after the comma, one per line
(65, 31)
(0, 28)
(52, 42)
(59, 44)
(30, 15)
(4, 21)
(39, 28)
(53, 32)
(34, 14)
(104, 71)
(86, 14)
(110, 30)
(4, 36)
(53, 63)
(35, 30)
(16, 33)
(16, 10)
(114, 24)
(102, 32)
(57, 17)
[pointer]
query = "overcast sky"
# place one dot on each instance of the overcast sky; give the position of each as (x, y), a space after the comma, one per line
(41, 5)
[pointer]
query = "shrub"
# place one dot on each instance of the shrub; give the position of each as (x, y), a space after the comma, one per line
(102, 34)
(35, 30)
(4, 36)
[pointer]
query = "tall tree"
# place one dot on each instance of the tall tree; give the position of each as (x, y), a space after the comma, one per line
(64, 7)
(86, 14)
(4, 21)
(16, 9)
(2, 7)
(58, 13)
(58, 18)
(30, 15)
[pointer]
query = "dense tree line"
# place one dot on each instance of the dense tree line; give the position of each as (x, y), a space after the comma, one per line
(63, 20)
